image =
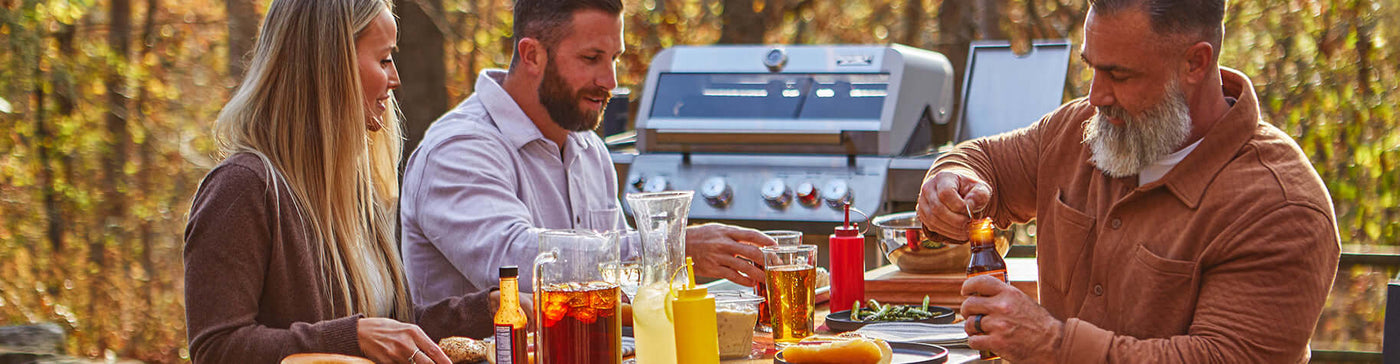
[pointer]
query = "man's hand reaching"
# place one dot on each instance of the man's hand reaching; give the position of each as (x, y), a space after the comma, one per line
(720, 251)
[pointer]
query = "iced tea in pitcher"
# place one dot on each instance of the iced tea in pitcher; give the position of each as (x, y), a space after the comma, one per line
(579, 323)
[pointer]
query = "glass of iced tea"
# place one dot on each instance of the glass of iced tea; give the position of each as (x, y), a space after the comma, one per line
(577, 298)
(791, 279)
(784, 238)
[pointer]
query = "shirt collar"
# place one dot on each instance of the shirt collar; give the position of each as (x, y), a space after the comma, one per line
(509, 118)
(508, 115)
(1188, 182)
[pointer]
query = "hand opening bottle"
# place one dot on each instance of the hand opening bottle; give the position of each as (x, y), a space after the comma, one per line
(985, 258)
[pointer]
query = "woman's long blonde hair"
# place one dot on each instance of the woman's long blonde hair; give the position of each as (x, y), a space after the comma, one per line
(300, 109)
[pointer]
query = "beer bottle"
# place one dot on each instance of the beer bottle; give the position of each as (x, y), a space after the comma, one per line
(985, 258)
(510, 320)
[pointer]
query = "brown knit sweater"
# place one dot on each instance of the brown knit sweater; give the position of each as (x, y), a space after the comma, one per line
(252, 287)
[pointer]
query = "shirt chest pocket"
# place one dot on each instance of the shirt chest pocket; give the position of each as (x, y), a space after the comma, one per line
(603, 218)
(1158, 294)
(1064, 231)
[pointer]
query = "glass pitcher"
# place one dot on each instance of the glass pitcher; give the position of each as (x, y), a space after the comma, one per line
(661, 220)
(576, 297)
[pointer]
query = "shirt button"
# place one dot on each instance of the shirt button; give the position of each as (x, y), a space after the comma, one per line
(1116, 223)
(1098, 289)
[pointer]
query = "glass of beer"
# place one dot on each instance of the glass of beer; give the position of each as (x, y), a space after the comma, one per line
(784, 238)
(791, 278)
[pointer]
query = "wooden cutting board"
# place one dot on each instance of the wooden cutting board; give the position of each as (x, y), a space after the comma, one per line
(888, 284)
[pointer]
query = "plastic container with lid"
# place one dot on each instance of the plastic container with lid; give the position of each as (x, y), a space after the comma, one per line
(736, 314)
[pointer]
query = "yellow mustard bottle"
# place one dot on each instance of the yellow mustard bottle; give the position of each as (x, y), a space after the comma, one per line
(697, 335)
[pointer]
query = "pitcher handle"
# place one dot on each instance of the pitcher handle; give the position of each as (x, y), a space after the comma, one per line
(543, 258)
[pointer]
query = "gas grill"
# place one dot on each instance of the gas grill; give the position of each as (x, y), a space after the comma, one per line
(783, 137)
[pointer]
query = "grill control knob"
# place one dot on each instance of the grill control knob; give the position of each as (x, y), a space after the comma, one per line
(716, 191)
(807, 194)
(837, 193)
(636, 181)
(777, 193)
(656, 184)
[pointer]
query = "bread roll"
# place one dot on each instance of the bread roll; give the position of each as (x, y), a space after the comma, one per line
(465, 350)
(318, 358)
(839, 351)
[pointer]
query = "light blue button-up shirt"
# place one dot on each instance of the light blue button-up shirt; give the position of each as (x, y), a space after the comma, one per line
(484, 182)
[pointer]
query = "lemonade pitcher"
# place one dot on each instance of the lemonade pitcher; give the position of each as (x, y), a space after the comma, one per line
(576, 298)
(661, 220)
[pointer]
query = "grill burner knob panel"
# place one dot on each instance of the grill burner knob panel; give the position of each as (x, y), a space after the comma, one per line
(717, 192)
(656, 184)
(777, 193)
(807, 194)
(837, 193)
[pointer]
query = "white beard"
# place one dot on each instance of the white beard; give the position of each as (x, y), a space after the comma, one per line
(1123, 150)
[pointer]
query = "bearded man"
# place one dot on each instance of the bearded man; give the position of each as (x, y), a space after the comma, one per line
(519, 155)
(1174, 224)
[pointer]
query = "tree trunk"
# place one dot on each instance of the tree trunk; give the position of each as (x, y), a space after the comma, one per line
(44, 143)
(114, 159)
(146, 154)
(1364, 46)
(955, 34)
(242, 31)
(63, 92)
(988, 20)
(740, 24)
(423, 96)
(913, 23)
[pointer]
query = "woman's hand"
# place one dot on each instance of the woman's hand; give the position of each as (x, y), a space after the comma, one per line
(388, 341)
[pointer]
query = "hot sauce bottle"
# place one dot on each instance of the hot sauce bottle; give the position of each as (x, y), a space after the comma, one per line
(985, 259)
(510, 320)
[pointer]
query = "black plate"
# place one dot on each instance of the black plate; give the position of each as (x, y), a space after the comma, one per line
(918, 353)
(840, 321)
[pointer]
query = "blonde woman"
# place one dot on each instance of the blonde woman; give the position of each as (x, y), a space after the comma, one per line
(289, 247)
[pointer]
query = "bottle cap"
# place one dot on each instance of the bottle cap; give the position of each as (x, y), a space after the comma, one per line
(847, 229)
(691, 292)
(509, 271)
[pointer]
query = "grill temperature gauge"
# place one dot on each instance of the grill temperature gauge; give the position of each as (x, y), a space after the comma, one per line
(837, 193)
(777, 193)
(656, 184)
(716, 191)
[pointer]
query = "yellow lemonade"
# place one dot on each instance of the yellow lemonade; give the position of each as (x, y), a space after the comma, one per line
(654, 331)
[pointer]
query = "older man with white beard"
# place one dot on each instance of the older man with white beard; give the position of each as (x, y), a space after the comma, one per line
(1175, 225)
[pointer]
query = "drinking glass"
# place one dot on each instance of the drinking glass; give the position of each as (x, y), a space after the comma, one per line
(627, 274)
(784, 238)
(791, 277)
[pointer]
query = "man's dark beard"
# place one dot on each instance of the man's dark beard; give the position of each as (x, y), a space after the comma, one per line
(562, 105)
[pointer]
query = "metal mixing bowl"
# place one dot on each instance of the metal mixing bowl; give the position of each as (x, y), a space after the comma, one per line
(927, 254)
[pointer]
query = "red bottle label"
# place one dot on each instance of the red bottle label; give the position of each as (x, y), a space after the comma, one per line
(1000, 274)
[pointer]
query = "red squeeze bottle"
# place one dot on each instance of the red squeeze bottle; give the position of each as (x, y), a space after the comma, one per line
(847, 261)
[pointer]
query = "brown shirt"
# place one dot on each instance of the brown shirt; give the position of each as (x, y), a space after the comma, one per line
(253, 292)
(1226, 259)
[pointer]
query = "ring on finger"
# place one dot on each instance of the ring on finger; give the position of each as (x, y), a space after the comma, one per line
(413, 358)
(977, 324)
